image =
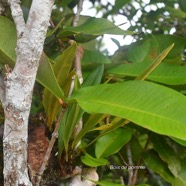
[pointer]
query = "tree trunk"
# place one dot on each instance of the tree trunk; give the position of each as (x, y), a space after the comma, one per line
(18, 88)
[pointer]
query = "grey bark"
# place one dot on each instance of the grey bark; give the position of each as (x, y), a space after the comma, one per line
(18, 88)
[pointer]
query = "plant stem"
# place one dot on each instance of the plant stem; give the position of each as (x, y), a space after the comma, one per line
(51, 144)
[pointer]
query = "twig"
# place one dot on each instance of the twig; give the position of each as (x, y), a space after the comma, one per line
(134, 179)
(51, 144)
(17, 15)
(122, 159)
(130, 162)
(2, 90)
(79, 9)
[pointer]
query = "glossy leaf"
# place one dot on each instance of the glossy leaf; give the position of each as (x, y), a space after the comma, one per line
(91, 29)
(147, 104)
(93, 162)
(164, 73)
(111, 143)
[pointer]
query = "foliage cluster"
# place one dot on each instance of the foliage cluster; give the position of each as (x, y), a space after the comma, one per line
(132, 104)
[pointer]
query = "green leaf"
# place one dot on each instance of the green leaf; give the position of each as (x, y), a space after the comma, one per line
(91, 29)
(142, 51)
(93, 162)
(149, 105)
(164, 73)
(176, 13)
(62, 68)
(182, 5)
(92, 121)
(149, 48)
(157, 165)
(8, 41)
(94, 57)
(111, 143)
(74, 113)
(155, 63)
(95, 77)
(181, 142)
(46, 77)
(106, 183)
(166, 153)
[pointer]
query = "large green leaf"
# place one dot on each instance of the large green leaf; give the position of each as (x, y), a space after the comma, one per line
(164, 73)
(8, 39)
(147, 104)
(112, 142)
(91, 29)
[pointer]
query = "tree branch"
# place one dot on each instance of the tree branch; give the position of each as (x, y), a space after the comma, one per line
(19, 86)
(79, 9)
(17, 15)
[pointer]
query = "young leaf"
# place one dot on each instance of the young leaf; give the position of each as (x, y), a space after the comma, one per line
(74, 113)
(111, 143)
(62, 67)
(93, 162)
(155, 63)
(47, 78)
(146, 104)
